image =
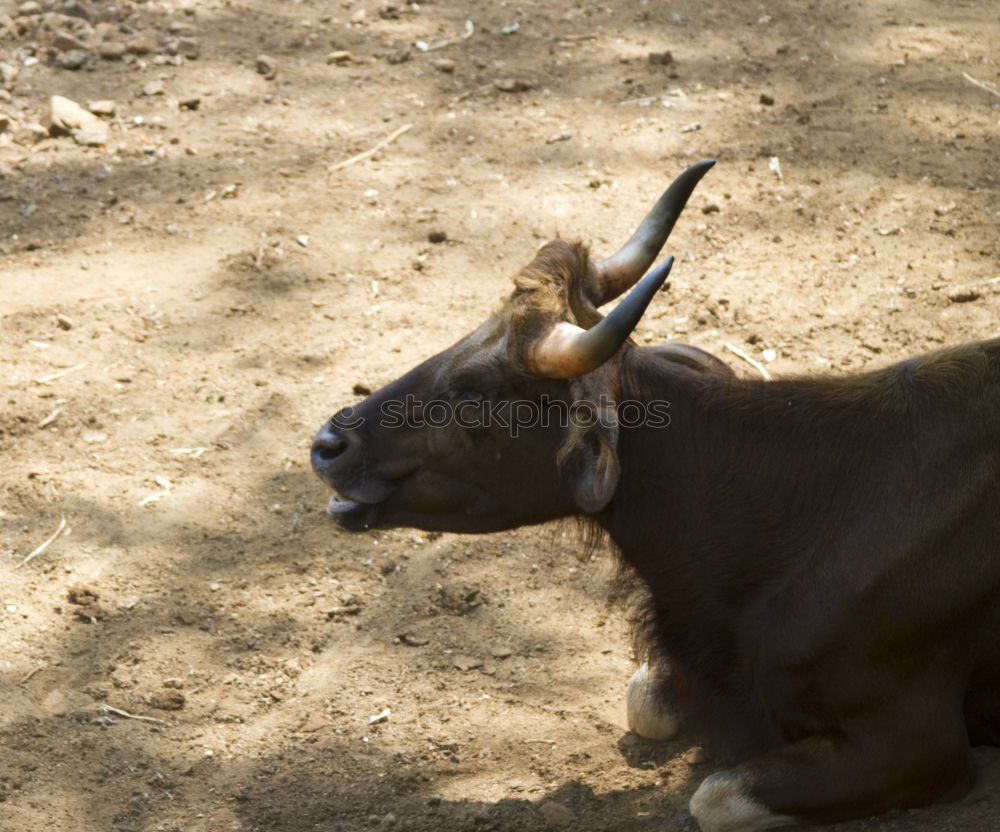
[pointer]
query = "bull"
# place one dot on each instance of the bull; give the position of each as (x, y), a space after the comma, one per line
(821, 555)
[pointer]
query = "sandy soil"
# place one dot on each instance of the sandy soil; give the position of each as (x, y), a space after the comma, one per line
(184, 304)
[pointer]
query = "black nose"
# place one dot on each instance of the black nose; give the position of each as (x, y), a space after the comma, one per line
(326, 447)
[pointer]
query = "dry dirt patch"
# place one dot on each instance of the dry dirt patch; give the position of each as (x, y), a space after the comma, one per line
(188, 296)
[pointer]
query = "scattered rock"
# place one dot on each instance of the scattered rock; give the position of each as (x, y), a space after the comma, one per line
(513, 85)
(102, 107)
(31, 132)
(445, 65)
(437, 236)
(73, 8)
(63, 41)
(963, 294)
(556, 814)
(466, 662)
(693, 127)
(154, 88)
(267, 66)
(711, 208)
(340, 57)
(140, 45)
(360, 389)
(189, 48)
(180, 27)
(664, 58)
(400, 56)
(105, 31)
(501, 652)
(66, 117)
(91, 138)
(74, 59)
(8, 75)
(192, 103)
(29, 8)
(111, 50)
(766, 100)
(173, 682)
(561, 136)
(172, 700)
(414, 639)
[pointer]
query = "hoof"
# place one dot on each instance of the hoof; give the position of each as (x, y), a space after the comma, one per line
(648, 715)
(723, 803)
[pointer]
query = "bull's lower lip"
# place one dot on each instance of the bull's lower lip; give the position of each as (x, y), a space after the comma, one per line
(350, 514)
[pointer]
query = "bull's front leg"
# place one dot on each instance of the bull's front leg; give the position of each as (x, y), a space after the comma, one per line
(861, 771)
(650, 707)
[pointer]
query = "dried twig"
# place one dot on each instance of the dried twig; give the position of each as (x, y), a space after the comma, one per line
(441, 44)
(983, 85)
(27, 677)
(104, 706)
(369, 153)
(42, 547)
(60, 374)
(48, 420)
(760, 368)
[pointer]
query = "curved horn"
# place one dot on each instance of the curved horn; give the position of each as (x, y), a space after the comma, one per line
(568, 351)
(619, 271)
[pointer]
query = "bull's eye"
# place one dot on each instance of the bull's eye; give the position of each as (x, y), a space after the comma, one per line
(473, 396)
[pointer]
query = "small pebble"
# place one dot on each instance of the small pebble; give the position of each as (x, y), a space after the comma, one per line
(102, 107)
(73, 59)
(437, 236)
(189, 48)
(111, 50)
(267, 67)
(664, 58)
(513, 85)
(964, 294)
(140, 45)
(63, 41)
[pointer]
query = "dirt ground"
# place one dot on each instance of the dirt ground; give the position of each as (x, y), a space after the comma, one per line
(191, 285)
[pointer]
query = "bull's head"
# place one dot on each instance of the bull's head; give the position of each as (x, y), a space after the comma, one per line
(517, 423)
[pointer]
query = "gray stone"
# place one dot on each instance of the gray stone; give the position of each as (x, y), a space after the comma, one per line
(140, 45)
(111, 50)
(73, 59)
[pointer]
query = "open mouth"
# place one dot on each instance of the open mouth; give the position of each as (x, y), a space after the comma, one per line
(350, 514)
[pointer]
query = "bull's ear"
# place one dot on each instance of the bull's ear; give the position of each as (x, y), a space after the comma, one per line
(589, 457)
(597, 469)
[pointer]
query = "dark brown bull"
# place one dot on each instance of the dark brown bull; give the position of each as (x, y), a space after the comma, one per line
(822, 555)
